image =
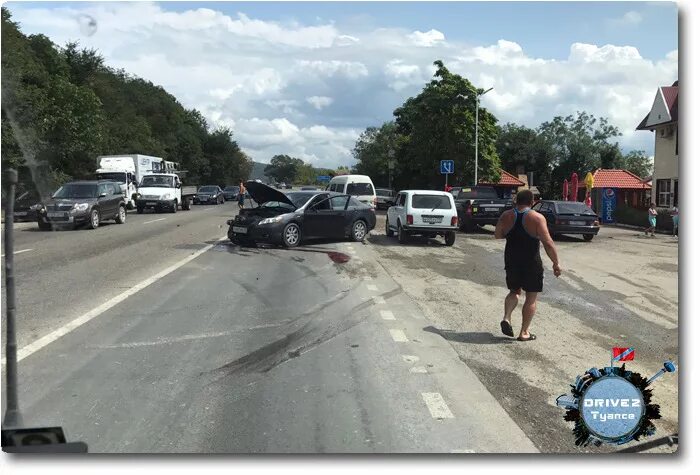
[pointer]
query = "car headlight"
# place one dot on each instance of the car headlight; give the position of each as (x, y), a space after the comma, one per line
(276, 219)
(167, 196)
(80, 207)
(36, 207)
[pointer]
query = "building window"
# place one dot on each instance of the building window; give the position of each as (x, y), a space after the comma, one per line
(675, 192)
(663, 193)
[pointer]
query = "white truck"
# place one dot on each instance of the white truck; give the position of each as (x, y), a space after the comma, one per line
(164, 191)
(129, 170)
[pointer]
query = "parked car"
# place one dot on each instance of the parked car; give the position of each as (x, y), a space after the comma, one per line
(231, 193)
(385, 198)
(288, 219)
(479, 205)
(83, 203)
(569, 217)
(26, 205)
(424, 213)
(209, 194)
(360, 186)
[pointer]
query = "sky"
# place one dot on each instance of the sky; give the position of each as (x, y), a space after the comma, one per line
(305, 79)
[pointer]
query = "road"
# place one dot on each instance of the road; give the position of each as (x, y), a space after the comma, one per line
(159, 336)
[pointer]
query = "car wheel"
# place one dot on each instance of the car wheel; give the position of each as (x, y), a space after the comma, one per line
(359, 230)
(400, 233)
(387, 230)
(291, 235)
(44, 226)
(173, 208)
(121, 215)
(186, 203)
(94, 222)
(588, 237)
(139, 209)
(450, 238)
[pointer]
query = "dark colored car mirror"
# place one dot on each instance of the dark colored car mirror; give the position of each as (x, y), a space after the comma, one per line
(102, 195)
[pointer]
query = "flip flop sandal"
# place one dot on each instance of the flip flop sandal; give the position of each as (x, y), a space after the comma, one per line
(532, 337)
(506, 328)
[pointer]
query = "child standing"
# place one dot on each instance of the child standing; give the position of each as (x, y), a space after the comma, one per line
(652, 221)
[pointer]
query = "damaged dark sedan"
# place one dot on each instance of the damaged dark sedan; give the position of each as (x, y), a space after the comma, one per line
(289, 218)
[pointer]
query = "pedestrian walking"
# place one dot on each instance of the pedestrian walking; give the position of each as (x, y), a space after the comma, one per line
(524, 229)
(241, 196)
(674, 217)
(652, 221)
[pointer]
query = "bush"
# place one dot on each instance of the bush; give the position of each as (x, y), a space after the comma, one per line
(638, 217)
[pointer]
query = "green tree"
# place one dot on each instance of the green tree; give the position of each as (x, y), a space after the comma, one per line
(283, 168)
(638, 162)
(438, 124)
(374, 151)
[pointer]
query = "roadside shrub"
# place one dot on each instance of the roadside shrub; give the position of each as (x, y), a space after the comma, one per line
(638, 217)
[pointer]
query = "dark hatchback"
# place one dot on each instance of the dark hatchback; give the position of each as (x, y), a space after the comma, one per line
(288, 219)
(83, 203)
(209, 194)
(26, 205)
(569, 217)
(231, 193)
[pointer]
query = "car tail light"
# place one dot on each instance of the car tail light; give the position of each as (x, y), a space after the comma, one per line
(454, 221)
(596, 223)
(409, 219)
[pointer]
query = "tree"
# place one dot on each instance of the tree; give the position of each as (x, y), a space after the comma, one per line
(373, 151)
(283, 168)
(438, 124)
(638, 163)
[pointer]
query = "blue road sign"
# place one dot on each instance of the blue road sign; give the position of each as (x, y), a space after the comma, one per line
(323, 178)
(447, 167)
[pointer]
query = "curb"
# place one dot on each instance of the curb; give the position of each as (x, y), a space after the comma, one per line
(637, 228)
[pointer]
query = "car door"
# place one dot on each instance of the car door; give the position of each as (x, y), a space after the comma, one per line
(397, 210)
(321, 221)
(117, 198)
(105, 200)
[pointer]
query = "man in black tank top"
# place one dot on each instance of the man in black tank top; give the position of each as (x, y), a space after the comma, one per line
(524, 229)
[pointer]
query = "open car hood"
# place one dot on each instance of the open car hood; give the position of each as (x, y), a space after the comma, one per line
(262, 193)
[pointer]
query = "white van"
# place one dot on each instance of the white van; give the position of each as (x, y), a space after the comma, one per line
(360, 186)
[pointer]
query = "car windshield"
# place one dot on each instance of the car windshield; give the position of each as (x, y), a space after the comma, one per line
(278, 204)
(574, 208)
(431, 202)
(208, 189)
(77, 190)
(381, 192)
(163, 181)
(231, 188)
(476, 193)
(299, 199)
(359, 189)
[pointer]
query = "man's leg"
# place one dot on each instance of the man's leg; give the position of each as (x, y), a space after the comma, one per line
(529, 308)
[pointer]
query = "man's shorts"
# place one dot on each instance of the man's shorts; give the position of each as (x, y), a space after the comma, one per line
(528, 279)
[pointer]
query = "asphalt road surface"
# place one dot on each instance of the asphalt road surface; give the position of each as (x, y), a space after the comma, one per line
(160, 336)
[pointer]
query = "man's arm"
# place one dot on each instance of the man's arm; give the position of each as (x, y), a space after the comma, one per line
(548, 243)
(501, 226)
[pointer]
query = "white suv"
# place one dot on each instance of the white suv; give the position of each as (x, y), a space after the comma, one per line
(423, 212)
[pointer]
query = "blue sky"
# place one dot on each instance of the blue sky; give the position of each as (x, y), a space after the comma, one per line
(307, 78)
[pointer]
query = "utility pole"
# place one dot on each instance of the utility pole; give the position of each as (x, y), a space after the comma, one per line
(476, 136)
(13, 418)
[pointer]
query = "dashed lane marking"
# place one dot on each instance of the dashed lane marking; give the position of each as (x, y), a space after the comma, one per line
(153, 220)
(366, 277)
(19, 252)
(372, 287)
(437, 406)
(379, 300)
(409, 358)
(387, 314)
(398, 335)
(418, 369)
(97, 311)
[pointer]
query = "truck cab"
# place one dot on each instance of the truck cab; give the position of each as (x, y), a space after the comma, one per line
(163, 191)
(128, 171)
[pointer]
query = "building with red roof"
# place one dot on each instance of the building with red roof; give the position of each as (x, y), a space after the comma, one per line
(506, 185)
(662, 119)
(629, 188)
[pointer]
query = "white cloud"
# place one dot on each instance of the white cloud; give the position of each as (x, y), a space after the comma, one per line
(630, 18)
(259, 77)
(426, 39)
(319, 102)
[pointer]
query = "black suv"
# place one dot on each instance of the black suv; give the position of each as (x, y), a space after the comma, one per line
(83, 202)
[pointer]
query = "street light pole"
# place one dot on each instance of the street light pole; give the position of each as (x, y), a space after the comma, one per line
(476, 136)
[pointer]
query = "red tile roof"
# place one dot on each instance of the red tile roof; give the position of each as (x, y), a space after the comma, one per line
(506, 180)
(616, 179)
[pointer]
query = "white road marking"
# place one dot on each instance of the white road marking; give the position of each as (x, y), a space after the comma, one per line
(18, 252)
(379, 300)
(418, 369)
(372, 287)
(409, 358)
(437, 406)
(462, 451)
(387, 314)
(366, 277)
(208, 209)
(398, 335)
(36, 345)
(153, 220)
